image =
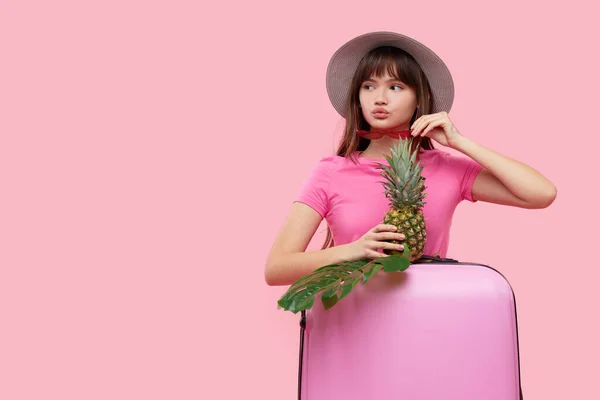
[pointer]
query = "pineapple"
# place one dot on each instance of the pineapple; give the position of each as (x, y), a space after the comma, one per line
(404, 188)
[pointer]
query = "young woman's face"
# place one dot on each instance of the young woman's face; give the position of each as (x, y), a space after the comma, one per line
(387, 103)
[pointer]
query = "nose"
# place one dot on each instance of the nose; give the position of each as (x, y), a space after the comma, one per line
(380, 97)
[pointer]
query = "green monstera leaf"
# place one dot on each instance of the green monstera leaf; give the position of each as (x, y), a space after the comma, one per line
(335, 281)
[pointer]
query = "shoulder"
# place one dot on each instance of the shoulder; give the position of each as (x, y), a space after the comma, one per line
(322, 171)
(447, 160)
(331, 160)
(433, 155)
(329, 164)
(437, 154)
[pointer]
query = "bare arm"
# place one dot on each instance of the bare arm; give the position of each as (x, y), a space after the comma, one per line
(288, 260)
(502, 180)
(507, 181)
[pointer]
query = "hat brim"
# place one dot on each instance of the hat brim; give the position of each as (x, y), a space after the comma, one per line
(345, 60)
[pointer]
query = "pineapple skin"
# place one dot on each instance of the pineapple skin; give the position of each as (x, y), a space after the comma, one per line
(412, 225)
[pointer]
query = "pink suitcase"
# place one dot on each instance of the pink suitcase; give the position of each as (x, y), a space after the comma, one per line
(442, 329)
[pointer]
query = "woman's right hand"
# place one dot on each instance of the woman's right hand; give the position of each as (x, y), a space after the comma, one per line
(375, 239)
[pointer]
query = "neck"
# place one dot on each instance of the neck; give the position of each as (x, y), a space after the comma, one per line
(378, 148)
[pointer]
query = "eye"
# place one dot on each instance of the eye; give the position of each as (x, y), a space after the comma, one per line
(367, 86)
(397, 86)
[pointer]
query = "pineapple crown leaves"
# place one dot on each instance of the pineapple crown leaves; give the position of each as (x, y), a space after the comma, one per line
(404, 184)
(335, 281)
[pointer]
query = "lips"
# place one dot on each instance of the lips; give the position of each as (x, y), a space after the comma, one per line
(380, 110)
(380, 113)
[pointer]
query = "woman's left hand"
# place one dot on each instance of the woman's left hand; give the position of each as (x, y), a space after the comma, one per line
(437, 127)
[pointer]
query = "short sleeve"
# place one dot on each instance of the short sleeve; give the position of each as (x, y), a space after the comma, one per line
(463, 171)
(315, 190)
(468, 170)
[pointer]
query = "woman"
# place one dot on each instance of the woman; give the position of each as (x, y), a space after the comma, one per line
(390, 87)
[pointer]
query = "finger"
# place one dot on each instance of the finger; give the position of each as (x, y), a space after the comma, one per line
(434, 121)
(419, 128)
(420, 118)
(373, 245)
(414, 128)
(375, 254)
(429, 128)
(421, 121)
(384, 228)
(381, 236)
(389, 246)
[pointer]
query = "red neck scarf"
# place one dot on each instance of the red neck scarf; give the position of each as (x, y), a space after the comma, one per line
(378, 135)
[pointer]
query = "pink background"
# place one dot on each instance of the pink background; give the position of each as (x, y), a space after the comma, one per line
(149, 152)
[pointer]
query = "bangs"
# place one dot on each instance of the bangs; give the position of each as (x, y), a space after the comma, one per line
(391, 60)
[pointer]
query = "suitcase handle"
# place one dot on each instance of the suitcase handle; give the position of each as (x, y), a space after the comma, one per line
(424, 259)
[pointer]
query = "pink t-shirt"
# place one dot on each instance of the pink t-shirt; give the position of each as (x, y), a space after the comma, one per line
(351, 196)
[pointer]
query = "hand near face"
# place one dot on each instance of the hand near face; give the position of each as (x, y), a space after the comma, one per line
(437, 127)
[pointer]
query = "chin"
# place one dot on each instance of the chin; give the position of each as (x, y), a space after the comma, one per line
(386, 126)
(387, 123)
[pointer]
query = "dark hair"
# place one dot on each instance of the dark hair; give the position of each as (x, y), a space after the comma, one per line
(398, 64)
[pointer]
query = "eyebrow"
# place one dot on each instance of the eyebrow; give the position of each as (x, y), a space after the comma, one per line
(387, 81)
